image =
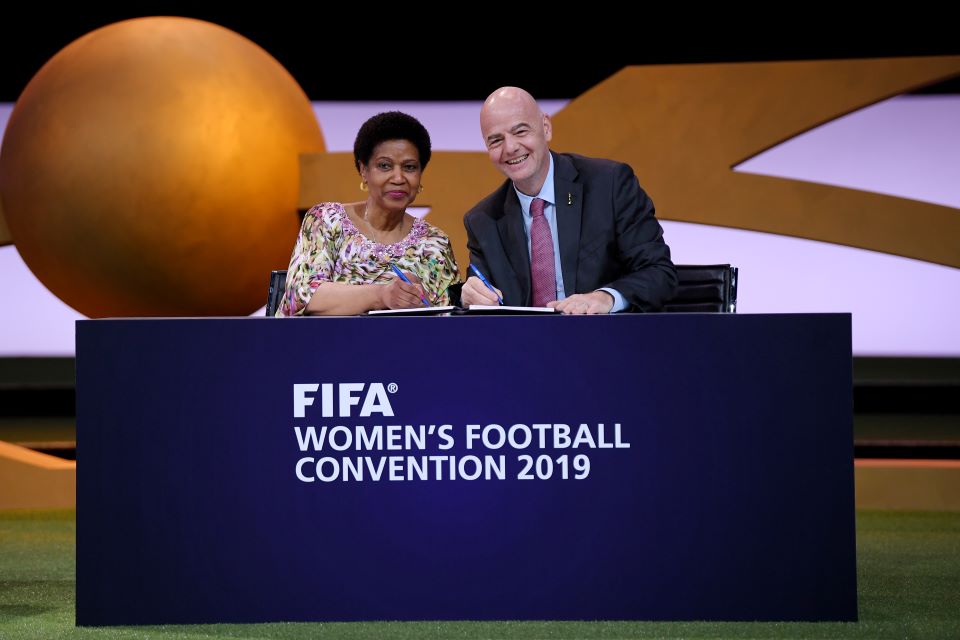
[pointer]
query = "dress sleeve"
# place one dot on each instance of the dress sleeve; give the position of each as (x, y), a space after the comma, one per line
(439, 267)
(311, 264)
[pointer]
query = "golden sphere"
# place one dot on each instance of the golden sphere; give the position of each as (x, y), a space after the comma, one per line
(151, 168)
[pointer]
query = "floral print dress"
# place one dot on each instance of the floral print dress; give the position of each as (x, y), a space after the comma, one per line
(331, 249)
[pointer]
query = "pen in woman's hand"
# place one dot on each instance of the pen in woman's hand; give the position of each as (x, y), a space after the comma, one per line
(407, 280)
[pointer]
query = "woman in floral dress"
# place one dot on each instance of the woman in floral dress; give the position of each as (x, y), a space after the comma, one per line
(343, 260)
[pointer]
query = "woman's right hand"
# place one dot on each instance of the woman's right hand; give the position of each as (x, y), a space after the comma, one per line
(400, 295)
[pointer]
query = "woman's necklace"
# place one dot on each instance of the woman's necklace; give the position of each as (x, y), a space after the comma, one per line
(372, 230)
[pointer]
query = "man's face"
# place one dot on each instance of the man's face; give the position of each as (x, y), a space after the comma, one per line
(516, 134)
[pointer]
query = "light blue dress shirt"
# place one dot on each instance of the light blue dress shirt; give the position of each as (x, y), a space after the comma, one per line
(548, 195)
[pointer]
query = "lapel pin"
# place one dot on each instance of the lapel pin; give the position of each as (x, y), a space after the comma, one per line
(569, 198)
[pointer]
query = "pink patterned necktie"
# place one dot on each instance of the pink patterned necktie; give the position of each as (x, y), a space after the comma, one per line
(542, 268)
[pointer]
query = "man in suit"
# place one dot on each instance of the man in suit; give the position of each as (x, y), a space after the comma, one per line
(566, 231)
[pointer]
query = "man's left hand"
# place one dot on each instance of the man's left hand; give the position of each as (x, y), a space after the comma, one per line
(595, 302)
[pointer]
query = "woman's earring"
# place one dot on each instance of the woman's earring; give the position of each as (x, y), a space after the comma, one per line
(363, 185)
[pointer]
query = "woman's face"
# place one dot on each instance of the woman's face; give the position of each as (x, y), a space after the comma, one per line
(393, 174)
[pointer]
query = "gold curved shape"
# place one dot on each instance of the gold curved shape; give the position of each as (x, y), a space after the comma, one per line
(683, 128)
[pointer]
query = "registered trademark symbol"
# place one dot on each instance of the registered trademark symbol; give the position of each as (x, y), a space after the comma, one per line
(392, 387)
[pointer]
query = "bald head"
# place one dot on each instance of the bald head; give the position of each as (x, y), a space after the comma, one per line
(513, 99)
(516, 133)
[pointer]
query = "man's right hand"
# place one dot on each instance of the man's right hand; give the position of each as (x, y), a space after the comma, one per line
(475, 292)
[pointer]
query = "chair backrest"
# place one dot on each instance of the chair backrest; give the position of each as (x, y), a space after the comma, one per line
(705, 288)
(278, 280)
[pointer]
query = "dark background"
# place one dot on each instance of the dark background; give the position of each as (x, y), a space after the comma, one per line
(366, 51)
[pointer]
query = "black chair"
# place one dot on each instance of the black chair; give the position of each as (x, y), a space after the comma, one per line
(705, 288)
(278, 280)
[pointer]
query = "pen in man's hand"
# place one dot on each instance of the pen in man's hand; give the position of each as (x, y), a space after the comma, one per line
(484, 281)
(407, 280)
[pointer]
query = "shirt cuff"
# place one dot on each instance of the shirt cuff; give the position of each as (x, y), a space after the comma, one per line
(619, 302)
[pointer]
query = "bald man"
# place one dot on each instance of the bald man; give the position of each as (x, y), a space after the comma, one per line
(565, 231)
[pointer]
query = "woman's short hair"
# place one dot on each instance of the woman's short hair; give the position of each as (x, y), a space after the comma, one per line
(391, 125)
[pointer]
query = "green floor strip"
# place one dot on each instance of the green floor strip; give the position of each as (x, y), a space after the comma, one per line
(909, 581)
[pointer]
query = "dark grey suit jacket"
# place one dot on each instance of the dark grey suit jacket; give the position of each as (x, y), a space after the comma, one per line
(609, 236)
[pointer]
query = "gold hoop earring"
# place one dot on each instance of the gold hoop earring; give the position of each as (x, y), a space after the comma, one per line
(363, 185)
(420, 189)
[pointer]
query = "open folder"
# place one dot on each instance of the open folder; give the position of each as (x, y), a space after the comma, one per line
(499, 309)
(474, 309)
(415, 311)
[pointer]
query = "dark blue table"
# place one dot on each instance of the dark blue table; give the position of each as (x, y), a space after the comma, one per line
(661, 467)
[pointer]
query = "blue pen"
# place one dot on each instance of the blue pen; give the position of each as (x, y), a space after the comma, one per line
(484, 281)
(407, 280)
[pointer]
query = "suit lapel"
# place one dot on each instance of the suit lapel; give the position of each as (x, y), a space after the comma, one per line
(514, 241)
(569, 205)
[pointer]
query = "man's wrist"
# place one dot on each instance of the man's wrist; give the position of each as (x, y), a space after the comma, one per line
(619, 302)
